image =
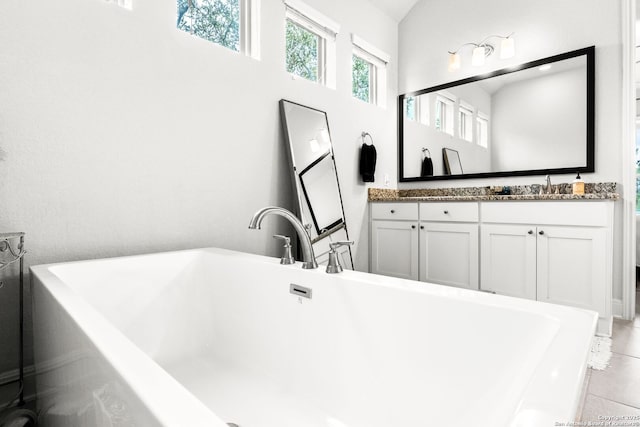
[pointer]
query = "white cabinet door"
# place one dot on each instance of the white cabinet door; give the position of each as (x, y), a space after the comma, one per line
(394, 248)
(572, 267)
(508, 260)
(449, 254)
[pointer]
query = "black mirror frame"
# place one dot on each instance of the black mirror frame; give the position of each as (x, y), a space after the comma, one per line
(589, 52)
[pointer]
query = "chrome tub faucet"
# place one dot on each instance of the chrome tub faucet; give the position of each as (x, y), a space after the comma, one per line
(308, 257)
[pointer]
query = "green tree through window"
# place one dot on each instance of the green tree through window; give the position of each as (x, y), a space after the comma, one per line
(215, 20)
(361, 79)
(302, 52)
(410, 108)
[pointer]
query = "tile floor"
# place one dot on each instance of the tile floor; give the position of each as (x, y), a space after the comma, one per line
(616, 390)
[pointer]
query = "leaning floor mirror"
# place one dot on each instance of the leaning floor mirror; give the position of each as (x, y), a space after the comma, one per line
(315, 179)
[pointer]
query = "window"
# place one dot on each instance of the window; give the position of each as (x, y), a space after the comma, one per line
(444, 114)
(368, 72)
(303, 48)
(310, 44)
(423, 109)
(482, 130)
(229, 23)
(465, 123)
(410, 108)
(362, 77)
(416, 108)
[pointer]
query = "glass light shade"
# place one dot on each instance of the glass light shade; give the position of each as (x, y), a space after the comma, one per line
(507, 48)
(314, 145)
(477, 59)
(454, 61)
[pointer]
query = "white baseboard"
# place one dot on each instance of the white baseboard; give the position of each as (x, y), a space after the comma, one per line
(616, 308)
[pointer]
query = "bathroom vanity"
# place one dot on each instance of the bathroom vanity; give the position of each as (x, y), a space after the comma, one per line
(554, 248)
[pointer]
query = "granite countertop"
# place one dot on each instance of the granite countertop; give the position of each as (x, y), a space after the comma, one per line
(593, 191)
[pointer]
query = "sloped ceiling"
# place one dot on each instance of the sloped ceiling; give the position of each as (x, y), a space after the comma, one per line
(397, 9)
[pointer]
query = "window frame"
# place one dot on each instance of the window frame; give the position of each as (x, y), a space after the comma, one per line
(447, 124)
(465, 122)
(249, 31)
(377, 60)
(482, 142)
(372, 79)
(320, 55)
(325, 29)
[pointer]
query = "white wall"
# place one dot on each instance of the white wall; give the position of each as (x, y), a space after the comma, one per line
(538, 123)
(542, 28)
(123, 135)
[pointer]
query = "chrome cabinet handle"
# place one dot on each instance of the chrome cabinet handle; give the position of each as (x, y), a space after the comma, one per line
(541, 232)
(446, 212)
(530, 232)
(422, 227)
(392, 211)
(413, 227)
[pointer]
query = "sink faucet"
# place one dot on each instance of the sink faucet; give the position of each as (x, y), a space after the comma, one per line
(308, 257)
(548, 189)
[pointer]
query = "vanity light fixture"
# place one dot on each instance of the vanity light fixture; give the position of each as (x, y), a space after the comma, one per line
(482, 50)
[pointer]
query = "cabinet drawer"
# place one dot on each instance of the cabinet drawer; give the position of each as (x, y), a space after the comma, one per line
(449, 211)
(586, 213)
(406, 211)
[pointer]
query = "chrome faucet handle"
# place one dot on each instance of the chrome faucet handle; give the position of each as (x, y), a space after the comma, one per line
(334, 266)
(287, 257)
(335, 245)
(548, 189)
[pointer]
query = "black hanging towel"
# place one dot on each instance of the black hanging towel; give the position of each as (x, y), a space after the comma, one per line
(427, 163)
(368, 157)
(427, 167)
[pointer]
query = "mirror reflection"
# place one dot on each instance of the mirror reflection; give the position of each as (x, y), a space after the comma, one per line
(535, 119)
(313, 169)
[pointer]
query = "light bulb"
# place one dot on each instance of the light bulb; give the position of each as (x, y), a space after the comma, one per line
(477, 59)
(314, 145)
(507, 48)
(454, 61)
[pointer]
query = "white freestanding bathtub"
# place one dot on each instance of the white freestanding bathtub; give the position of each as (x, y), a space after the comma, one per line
(209, 337)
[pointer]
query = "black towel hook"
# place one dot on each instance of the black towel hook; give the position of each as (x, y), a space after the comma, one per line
(364, 135)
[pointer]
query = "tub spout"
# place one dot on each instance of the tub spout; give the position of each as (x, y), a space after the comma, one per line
(308, 257)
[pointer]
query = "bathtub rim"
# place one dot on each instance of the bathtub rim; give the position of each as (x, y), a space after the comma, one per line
(539, 401)
(156, 389)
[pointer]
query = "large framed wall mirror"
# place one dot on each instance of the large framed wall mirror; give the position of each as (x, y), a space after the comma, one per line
(533, 119)
(315, 178)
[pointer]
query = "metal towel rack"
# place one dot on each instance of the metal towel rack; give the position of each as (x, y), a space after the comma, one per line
(16, 254)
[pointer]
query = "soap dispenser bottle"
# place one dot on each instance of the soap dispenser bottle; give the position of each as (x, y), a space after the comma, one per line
(578, 185)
